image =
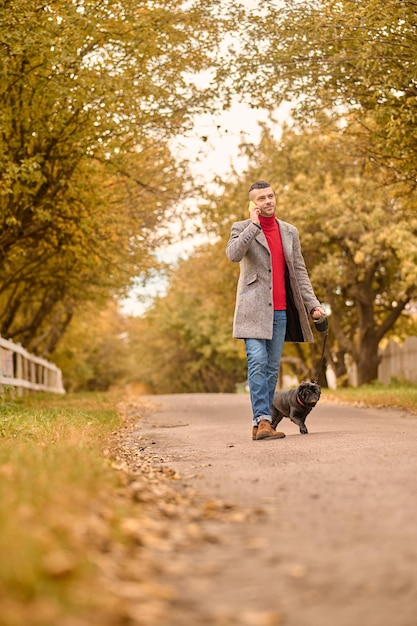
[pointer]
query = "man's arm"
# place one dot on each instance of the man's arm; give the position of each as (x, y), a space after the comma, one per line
(241, 237)
(307, 292)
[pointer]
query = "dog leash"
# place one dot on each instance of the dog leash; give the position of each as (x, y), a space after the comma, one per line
(322, 355)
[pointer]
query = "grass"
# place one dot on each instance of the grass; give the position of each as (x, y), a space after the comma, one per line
(54, 482)
(396, 395)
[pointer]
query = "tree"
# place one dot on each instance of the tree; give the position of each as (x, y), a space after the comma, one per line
(91, 94)
(189, 345)
(94, 352)
(342, 57)
(84, 255)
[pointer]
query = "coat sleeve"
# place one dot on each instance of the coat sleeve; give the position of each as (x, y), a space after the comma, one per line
(241, 236)
(307, 293)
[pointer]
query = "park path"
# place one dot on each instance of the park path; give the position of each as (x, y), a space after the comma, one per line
(328, 531)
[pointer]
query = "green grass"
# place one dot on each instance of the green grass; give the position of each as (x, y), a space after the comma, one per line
(54, 483)
(395, 395)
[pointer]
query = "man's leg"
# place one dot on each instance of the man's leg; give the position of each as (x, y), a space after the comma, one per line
(257, 356)
(274, 349)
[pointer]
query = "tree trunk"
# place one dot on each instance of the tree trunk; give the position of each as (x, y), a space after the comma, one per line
(339, 367)
(367, 362)
(366, 352)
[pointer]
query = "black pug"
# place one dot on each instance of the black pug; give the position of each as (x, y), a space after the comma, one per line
(295, 404)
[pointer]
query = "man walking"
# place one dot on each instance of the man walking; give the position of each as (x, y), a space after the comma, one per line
(274, 298)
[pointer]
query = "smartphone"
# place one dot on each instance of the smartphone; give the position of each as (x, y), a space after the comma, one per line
(251, 205)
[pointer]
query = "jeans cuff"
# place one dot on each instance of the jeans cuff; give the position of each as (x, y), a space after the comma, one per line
(268, 418)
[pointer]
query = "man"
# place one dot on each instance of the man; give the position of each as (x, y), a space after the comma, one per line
(274, 299)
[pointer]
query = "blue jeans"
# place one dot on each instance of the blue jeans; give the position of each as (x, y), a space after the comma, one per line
(264, 356)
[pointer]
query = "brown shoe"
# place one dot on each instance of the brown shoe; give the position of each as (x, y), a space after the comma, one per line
(277, 435)
(265, 431)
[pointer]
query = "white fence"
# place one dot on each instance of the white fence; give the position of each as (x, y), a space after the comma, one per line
(22, 370)
(399, 362)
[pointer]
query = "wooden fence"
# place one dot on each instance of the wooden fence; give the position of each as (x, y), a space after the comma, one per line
(24, 371)
(399, 361)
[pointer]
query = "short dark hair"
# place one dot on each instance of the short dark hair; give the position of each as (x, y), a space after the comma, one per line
(260, 184)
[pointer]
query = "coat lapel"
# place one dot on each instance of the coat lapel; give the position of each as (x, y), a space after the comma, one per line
(262, 239)
(286, 238)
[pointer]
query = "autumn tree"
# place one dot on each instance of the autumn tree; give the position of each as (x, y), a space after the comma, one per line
(341, 57)
(94, 352)
(91, 93)
(189, 345)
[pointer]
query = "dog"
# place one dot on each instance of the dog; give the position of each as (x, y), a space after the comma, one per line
(295, 404)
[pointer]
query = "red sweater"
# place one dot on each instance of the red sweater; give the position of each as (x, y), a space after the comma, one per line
(271, 231)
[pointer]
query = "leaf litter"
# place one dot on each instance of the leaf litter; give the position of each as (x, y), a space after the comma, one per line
(169, 523)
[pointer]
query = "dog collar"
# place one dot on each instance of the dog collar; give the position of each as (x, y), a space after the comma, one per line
(299, 402)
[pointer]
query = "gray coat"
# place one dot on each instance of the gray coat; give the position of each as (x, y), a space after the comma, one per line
(254, 310)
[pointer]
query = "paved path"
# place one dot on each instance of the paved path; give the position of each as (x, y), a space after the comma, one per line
(334, 542)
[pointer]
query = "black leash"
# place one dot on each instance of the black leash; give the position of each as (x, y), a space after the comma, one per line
(322, 356)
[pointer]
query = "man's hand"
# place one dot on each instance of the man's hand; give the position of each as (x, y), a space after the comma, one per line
(254, 212)
(317, 312)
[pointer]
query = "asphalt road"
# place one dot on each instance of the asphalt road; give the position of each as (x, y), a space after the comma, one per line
(333, 536)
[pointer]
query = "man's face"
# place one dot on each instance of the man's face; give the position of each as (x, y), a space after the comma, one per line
(265, 200)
